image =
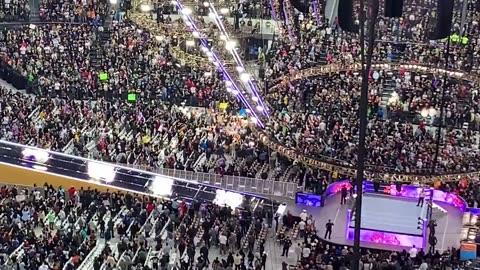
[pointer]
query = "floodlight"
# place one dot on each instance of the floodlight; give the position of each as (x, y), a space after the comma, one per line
(187, 11)
(145, 8)
(230, 45)
(245, 77)
(161, 186)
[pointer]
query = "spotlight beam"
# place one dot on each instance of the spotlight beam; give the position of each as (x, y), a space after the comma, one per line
(250, 84)
(216, 59)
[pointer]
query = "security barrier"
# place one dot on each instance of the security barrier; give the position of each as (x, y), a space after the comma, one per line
(165, 182)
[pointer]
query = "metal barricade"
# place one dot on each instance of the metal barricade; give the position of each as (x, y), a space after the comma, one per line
(244, 184)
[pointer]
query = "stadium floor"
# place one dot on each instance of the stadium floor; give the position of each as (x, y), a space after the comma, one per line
(13, 175)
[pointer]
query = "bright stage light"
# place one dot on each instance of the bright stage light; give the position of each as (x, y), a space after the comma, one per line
(259, 108)
(240, 69)
(245, 77)
(101, 172)
(235, 92)
(190, 43)
(223, 37)
(230, 45)
(254, 98)
(212, 15)
(224, 10)
(187, 11)
(173, 2)
(206, 4)
(231, 199)
(195, 34)
(161, 186)
(36, 155)
(145, 8)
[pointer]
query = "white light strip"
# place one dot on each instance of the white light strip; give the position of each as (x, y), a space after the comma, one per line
(250, 83)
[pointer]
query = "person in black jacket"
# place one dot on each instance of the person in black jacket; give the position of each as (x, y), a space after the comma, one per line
(286, 246)
(344, 195)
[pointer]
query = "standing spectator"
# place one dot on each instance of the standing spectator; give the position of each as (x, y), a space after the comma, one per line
(421, 197)
(286, 246)
(413, 252)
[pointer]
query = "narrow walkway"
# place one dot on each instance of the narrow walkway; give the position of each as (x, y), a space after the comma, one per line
(34, 10)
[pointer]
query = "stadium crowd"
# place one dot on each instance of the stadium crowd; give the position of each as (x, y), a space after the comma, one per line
(91, 12)
(63, 62)
(81, 76)
(54, 228)
(399, 138)
(51, 228)
(16, 10)
(313, 253)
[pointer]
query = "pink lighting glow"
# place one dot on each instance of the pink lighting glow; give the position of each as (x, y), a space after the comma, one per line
(387, 238)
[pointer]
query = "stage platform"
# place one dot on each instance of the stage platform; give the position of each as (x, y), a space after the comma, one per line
(391, 214)
(396, 221)
(447, 232)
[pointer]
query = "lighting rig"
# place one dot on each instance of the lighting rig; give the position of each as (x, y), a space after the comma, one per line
(213, 57)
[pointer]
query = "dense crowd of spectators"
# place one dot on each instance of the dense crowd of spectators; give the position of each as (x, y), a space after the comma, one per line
(49, 228)
(91, 11)
(316, 254)
(85, 62)
(16, 10)
(82, 74)
(399, 139)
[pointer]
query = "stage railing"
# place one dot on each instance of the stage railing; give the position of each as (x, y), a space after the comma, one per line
(14, 152)
(239, 183)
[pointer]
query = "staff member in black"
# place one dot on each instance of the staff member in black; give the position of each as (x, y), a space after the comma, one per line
(344, 194)
(433, 242)
(328, 228)
(286, 246)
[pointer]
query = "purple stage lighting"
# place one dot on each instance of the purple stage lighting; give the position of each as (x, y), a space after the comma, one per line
(216, 59)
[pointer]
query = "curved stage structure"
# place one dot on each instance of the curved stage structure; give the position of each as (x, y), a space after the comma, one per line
(390, 219)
